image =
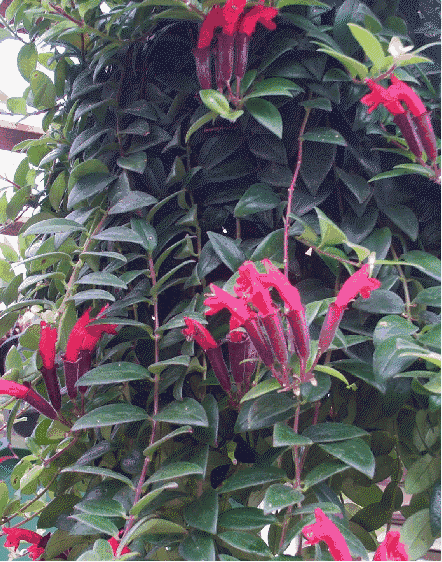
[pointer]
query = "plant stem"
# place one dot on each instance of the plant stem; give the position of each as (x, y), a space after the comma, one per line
(408, 305)
(291, 189)
(322, 253)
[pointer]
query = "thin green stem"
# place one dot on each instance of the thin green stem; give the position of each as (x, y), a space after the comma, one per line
(408, 305)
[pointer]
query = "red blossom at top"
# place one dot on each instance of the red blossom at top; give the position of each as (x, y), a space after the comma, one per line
(401, 91)
(232, 11)
(250, 288)
(16, 534)
(274, 278)
(391, 548)
(380, 95)
(84, 337)
(325, 530)
(213, 20)
(360, 283)
(199, 333)
(219, 299)
(48, 339)
(258, 14)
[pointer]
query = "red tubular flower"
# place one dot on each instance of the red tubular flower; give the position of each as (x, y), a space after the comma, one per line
(358, 283)
(219, 367)
(219, 299)
(251, 289)
(48, 339)
(258, 14)
(29, 395)
(115, 543)
(232, 11)
(203, 71)
(213, 20)
(241, 350)
(76, 337)
(391, 548)
(325, 530)
(380, 95)
(407, 128)
(402, 92)
(199, 333)
(16, 534)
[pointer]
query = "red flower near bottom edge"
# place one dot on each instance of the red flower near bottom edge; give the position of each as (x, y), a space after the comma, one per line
(391, 548)
(325, 530)
(16, 534)
(115, 543)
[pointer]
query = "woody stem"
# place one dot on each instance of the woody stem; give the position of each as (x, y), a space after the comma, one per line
(291, 190)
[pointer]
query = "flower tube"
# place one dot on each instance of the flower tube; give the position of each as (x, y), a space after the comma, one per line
(232, 11)
(16, 534)
(391, 548)
(29, 395)
(325, 530)
(46, 346)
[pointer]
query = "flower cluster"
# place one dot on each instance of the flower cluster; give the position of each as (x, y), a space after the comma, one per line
(234, 37)
(325, 530)
(413, 122)
(77, 361)
(258, 330)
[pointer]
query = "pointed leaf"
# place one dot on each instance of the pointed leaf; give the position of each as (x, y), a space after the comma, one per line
(51, 226)
(251, 477)
(267, 114)
(114, 372)
(203, 513)
(175, 470)
(322, 472)
(101, 278)
(227, 250)
(373, 49)
(119, 234)
(354, 452)
(110, 414)
(101, 524)
(135, 162)
(246, 518)
(257, 199)
(284, 436)
(246, 542)
(330, 431)
(198, 546)
(99, 471)
(324, 134)
(279, 496)
(134, 200)
(188, 411)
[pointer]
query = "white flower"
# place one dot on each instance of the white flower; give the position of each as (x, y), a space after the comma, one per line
(398, 51)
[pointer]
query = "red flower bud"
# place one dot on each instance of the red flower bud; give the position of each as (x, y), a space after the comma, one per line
(325, 530)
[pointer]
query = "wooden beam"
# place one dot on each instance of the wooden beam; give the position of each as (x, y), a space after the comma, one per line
(13, 133)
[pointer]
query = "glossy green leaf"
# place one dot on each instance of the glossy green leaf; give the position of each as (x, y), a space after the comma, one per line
(264, 411)
(324, 134)
(429, 297)
(92, 294)
(198, 546)
(105, 507)
(135, 162)
(360, 188)
(274, 87)
(62, 503)
(100, 524)
(27, 60)
(322, 472)
(119, 234)
(279, 496)
(251, 477)
(52, 226)
(257, 199)
(215, 101)
(99, 471)
(354, 452)
(226, 249)
(318, 103)
(113, 373)
(330, 233)
(102, 278)
(200, 123)
(416, 534)
(267, 114)
(158, 368)
(18, 201)
(43, 90)
(245, 518)
(435, 509)
(246, 542)
(425, 262)
(110, 414)
(146, 232)
(150, 496)
(175, 470)
(389, 357)
(284, 436)
(187, 411)
(381, 302)
(390, 326)
(422, 474)
(404, 218)
(151, 448)
(373, 49)
(151, 529)
(134, 200)
(356, 68)
(88, 186)
(202, 514)
(331, 432)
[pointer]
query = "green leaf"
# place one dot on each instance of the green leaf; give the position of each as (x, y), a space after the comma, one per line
(110, 255)
(318, 103)
(101, 278)
(416, 534)
(105, 507)
(274, 87)
(281, 3)
(101, 524)
(322, 472)
(88, 186)
(110, 414)
(270, 247)
(146, 232)
(257, 199)
(373, 49)
(62, 503)
(422, 474)
(215, 101)
(279, 496)
(226, 249)
(17, 105)
(246, 542)
(27, 60)
(134, 200)
(325, 134)
(404, 218)
(175, 470)
(390, 326)
(188, 411)
(102, 551)
(389, 358)
(202, 514)
(111, 373)
(330, 234)
(266, 114)
(150, 496)
(43, 90)
(52, 226)
(251, 477)
(435, 510)
(135, 162)
(424, 262)
(158, 367)
(264, 412)
(330, 432)
(152, 529)
(91, 294)
(381, 302)
(98, 471)
(389, 174)
(354, 452)
(356, 68)
(356, 184)
(415, 169)
(332, 372)
(119, 234)
(197, 546)
(429, 297)
(284, 436)
(246, 518)
(199, 123)
(151, 448)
